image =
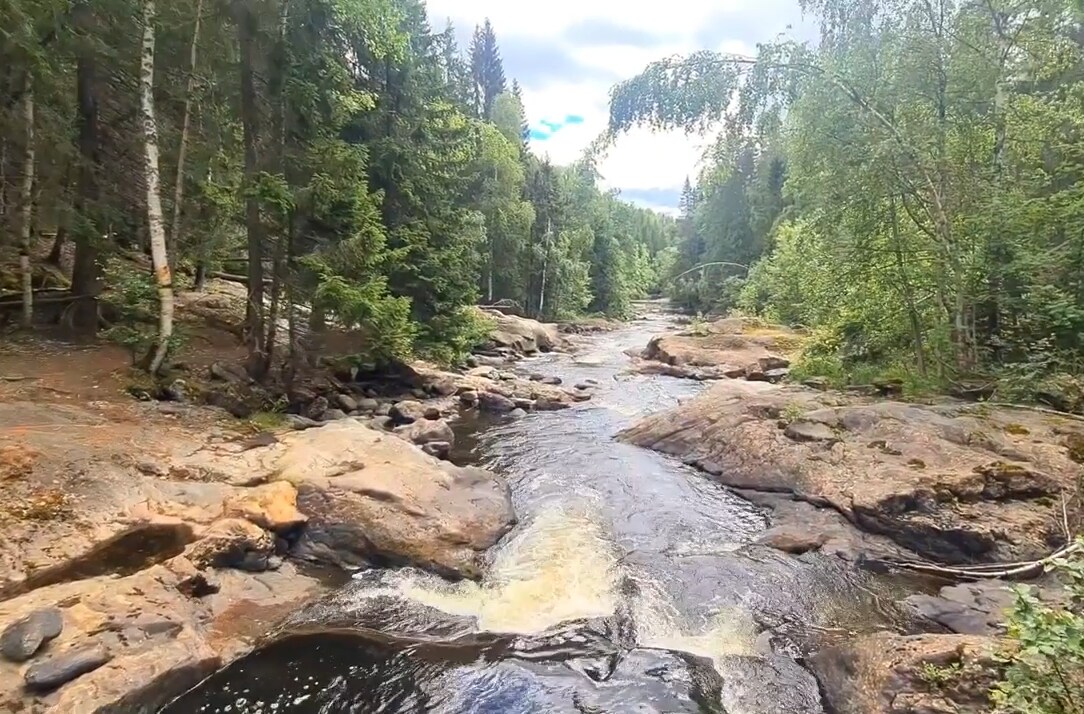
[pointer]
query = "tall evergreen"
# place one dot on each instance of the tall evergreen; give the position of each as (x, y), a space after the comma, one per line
(487, 70)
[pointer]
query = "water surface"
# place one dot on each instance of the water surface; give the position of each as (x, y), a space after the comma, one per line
(629, 585)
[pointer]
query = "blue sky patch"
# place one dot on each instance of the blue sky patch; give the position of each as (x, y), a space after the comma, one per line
(573, 119)
(539, 134)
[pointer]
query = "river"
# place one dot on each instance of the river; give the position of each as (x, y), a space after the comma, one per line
(631, 584)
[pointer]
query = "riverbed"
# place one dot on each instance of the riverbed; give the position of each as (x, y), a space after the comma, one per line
(631, 584)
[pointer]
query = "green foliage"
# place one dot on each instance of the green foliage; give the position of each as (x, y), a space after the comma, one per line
(910, 187)
(1044, 657)
(938, 676)
(133, 299)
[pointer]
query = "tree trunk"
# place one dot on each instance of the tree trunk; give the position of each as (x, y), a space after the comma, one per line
(86, 273)
(27, 204)
(56, 254)
(250, 123)
(908, 294)
(199, 281)
(182, 150)
(155, 222)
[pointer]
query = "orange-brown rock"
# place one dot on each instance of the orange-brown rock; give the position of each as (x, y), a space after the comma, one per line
(729, 348)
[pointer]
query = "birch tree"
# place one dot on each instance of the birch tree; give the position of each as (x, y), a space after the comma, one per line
(26, 199)
(155, 220)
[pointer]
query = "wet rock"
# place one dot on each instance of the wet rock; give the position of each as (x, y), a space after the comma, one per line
(407, 411)
(792, 539)
(889, 673)
(426, 431)
(316, 408)
(368, 405)
(552, 381)
(517, 414)
(347, 403)
(581, 395)
(768, 683)
(496, 403)
(535, 377)
(968, 608)
(272, 507)
(469, 398)
(523, 403)
(334, 415)
(21, 640)
(63, 668)
(438, 449)
(550, 404)
(809, 431)
(432, 413)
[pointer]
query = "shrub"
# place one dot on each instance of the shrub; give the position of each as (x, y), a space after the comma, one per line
(1044, 660)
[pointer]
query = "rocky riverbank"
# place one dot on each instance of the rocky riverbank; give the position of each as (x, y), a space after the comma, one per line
(866, 478)
(150, 543)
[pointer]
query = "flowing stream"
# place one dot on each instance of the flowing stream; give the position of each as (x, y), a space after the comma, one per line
(630, 585)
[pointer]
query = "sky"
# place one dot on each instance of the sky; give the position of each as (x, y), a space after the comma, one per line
(567, 54)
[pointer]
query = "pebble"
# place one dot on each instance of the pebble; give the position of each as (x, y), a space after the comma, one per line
(63, 668)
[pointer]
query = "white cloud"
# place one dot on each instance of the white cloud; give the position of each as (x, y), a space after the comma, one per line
(613, 40)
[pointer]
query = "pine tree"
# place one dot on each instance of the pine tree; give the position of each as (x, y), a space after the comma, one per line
(487, 70)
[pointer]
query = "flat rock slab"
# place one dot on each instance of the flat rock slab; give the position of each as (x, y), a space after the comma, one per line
(21, 640)
(953, 483)
(62, 668)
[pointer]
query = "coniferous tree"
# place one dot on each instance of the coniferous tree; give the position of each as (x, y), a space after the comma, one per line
(487, 70)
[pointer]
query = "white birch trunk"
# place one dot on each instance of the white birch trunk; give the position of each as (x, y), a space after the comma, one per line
(26, 199)
(159, 256)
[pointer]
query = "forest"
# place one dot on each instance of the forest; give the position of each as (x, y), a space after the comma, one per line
(352, 165)
(909, 190)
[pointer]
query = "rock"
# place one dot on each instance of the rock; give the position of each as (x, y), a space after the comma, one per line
(334, 415)
(229, 372)
(792, 540)
(442, 386)
(730, 348)
(63, 668)
(432, 413)
(408, 411)
(536, 377)
(176, 391)
(232, 543)
(586, 386)
(523, 403)
(581, 395)
(521, 335)
(382, 423)
(550, 404)
(272, 507)
(552, 381)
(438, 449)
(818, 383)
(809, 431)
(368, 406)
(300, 423)
(384, 409)
(517, 414)
(469, 398)
(426, 431)
(977, 608)
(890, 673)
(950, 483)
(21, 640)
(374, 498)
(316, 408)
(496, 403)
(347, 403)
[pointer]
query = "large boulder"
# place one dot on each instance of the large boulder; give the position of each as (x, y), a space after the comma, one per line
(522, 335)
(731, 348)
(953, 483)
(373, 498)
